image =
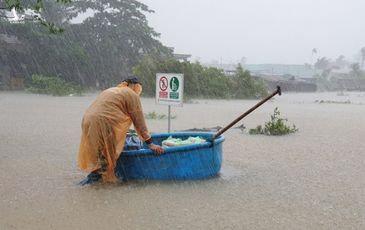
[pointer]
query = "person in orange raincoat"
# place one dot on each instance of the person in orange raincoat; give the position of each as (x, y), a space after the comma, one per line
(104, 128)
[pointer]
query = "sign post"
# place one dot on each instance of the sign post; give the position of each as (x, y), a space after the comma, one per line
(169, 91)
(169, 119)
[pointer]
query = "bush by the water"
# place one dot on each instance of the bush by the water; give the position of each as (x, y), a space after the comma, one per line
(276, 126)
(153, 116)
(53, 85)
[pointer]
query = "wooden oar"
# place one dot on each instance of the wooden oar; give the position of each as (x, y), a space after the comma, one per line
(277, 91)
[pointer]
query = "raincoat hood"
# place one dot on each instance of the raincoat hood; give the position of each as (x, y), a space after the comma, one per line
(136, 87)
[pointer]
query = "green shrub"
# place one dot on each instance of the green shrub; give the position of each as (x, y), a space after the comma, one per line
(276, 126)
(153, 116)
(246, 87)
(53, 85)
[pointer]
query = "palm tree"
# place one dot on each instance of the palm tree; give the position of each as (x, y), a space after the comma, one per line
(314, 51)
(362, 56)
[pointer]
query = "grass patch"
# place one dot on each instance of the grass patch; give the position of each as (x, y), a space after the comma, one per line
(155, 116)
(55, 86)
(333, 102)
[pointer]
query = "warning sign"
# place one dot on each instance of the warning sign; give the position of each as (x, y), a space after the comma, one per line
(163, 83)
(169, 89)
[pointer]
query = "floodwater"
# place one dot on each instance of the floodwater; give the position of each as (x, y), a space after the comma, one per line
(313, 179)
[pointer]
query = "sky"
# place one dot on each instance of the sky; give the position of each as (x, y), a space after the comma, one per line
(261, 31)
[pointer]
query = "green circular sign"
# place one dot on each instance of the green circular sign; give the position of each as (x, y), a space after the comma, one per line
(174, 84)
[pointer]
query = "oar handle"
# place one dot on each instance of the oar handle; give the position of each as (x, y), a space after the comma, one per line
(277, 91)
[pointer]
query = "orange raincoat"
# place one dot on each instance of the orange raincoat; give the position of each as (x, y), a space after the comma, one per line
(105, 125)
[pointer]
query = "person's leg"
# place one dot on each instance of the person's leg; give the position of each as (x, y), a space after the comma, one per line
(106, 156)
(96, 175)
(108, 159)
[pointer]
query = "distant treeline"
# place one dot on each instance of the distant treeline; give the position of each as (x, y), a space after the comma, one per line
(200, 81)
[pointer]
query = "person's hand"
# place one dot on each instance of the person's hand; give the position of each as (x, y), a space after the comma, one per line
(156, 148)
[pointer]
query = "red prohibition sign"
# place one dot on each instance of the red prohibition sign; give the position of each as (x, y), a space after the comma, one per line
(163, 83)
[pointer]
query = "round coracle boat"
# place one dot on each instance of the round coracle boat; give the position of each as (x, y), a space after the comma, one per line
(183, 162)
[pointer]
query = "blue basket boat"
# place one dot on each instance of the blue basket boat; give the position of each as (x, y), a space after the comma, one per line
(189, 162)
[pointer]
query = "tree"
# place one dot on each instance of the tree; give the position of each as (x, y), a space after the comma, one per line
(322, 63)
(314, 51)
(116, 37)
(246, 87)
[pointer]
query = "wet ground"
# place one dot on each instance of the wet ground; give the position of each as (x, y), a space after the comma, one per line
(313, 179)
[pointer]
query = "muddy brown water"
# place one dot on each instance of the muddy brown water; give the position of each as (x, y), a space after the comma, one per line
(313, 179)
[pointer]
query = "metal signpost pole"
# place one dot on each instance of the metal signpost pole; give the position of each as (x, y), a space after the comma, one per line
(169, 120)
